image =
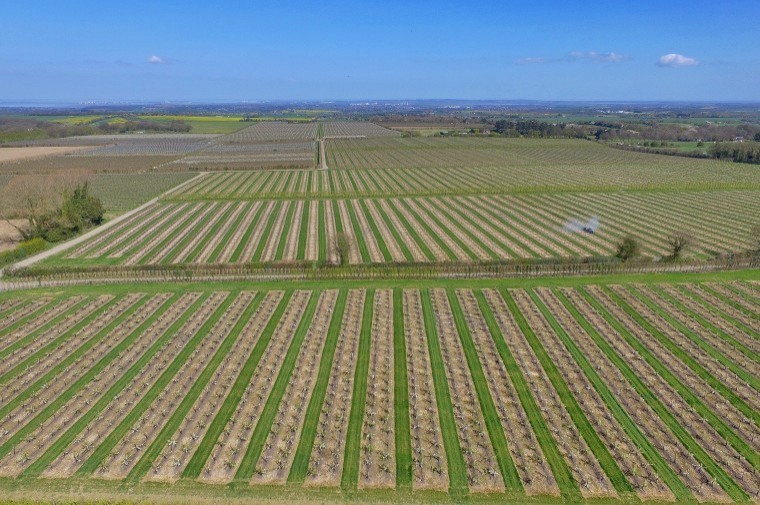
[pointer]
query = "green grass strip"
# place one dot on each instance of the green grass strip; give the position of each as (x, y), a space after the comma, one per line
(668, 476)
(300, 466)
(718, 332)
(51, 346)
(322, 235)
(363, 249)
(228, 235)
(210, 234)
(457, 469)
(602, 454)
(435, 210)
(247, 235)
(402, 429)
(30, 316)
(191, 234)
(412, 232)
(201, 455)
(701, 300)
(151, 453)
(350, 477)
(699, 371)
(375, 231)
(423, 222)
(68, 437)
(267, 231)
(285, 231)
(568, 487)
(113, 438)
(303, 233)
(749, 353)
(41, 330)
(725, 482)
(509, 474)
(53, 372)
(264, 424)
(396, 236)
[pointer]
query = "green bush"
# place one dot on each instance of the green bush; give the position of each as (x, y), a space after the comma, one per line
(23, 250)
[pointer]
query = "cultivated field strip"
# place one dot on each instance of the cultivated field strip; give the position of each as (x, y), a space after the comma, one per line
(692, 356)
(525, 450)
(586, 470)
(590, 391)
(16, 374)
(280, 447)
(93, 451)
(326, 460)
(479, 457)
(378, 445)
(96, 357)
(230, 448)
(637, 471)
(143, 432)
(658, 434)
(397, 230)
(711, 441)
(17, 312)
(356, 129)
(430, 470)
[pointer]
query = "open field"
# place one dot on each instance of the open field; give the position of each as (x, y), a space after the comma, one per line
(422, 230)
(12, 154)
(121, 192)
(356, 129)
(391, 167)
(573, 389)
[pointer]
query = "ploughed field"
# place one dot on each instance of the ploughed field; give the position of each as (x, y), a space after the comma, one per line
(645, 391)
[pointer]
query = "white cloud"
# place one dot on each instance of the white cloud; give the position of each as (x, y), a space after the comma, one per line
(676, 60)
(598, 57)
(156, 60)
(528, 61)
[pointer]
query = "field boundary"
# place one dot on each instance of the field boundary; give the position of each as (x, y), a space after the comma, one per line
(95, 231)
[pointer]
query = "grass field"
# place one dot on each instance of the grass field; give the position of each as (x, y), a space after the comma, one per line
(568, 389)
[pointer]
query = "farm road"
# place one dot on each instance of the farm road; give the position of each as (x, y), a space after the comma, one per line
(82, 238)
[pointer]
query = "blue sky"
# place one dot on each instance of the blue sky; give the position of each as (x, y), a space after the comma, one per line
(249, 50)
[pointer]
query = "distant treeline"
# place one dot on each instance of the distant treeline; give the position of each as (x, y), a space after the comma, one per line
(541, 129)
(14, 129)
(744, 152)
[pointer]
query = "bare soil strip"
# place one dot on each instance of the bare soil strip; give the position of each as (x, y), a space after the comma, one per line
(377, 468)
(279, 449)
(430, 469)
(230, 448)
(526, 452)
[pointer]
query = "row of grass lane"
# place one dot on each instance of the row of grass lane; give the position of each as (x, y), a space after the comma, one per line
(107, 445)
(725, 482)
(350, 477)
(660, 465)
(253, 451)
(300, 464)
(495, 432)
(457, 472)
(151, 452)
(66, 438)
(701, 372)
(568, 487)
(598, 448)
